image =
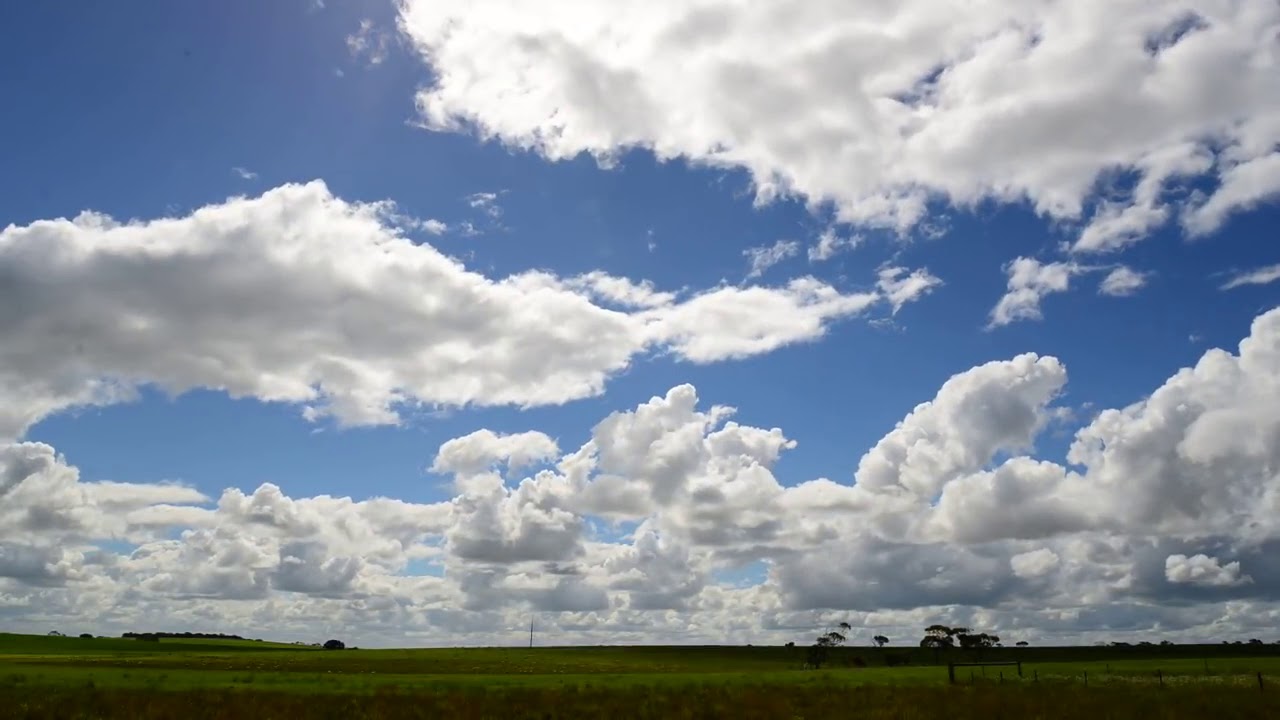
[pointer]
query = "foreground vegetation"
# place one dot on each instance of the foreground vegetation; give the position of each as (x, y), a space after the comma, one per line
(42, 677)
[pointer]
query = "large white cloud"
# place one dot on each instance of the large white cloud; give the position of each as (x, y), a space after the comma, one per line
(879, 108)
(298, 296)
(668, 523)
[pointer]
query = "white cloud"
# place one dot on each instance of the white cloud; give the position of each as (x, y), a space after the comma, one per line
(1202, 570)
(830, 244)
(1029, 282)
(435, 227)
(1033, 564)
(369, 43)
(346, 316)
(485, 202)
(999, 406)
(620, 291)
(483, 449)
(1244, 185)
(1257, 276)
(734, 322)
(903, 103)
(901, 286)
(1164, 506)
(1122, 281)
(244, 174)
(764, 257)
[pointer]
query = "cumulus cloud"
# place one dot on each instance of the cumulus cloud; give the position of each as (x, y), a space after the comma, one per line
(1162, 517)
(764, 257)
(1035, 563)
(1202, 570)
(1029, 282)
(483, 449)
(1122, 281)
(297, 296)
(435, 227)
(903, 104)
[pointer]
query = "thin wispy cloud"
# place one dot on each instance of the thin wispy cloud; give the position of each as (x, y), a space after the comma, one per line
(1257, 276)
(764, 257)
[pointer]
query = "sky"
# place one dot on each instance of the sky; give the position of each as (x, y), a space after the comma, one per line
(650, 322)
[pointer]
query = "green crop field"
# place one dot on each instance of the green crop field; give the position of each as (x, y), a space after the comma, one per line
(54, 677)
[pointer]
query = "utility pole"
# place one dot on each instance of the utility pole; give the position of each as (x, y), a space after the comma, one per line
(530, 632)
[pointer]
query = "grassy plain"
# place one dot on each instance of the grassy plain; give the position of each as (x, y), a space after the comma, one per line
(44, 677)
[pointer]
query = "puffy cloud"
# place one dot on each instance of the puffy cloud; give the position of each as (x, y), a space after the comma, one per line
(1164, 519)
(1035, 563)
(483, 449)
(902, 103)
(1029, 282)
(1122, 281)
(297, 296)
(435, 227)
(999, 406)
(1202, 570)
(764, 257)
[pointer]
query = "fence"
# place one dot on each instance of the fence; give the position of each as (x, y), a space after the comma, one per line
(951, 667)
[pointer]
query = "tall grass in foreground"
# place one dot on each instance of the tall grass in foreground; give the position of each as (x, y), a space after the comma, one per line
(1042, 701)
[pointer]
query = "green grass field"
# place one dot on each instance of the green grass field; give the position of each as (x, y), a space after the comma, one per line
(57, 677)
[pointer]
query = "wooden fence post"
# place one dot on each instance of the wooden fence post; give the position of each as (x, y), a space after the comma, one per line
(1259, 682)
(951, 673)
(1019, 668)
(1086, 678)
(1160, 677)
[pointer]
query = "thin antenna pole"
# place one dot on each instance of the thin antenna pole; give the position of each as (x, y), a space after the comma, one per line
(530, 632)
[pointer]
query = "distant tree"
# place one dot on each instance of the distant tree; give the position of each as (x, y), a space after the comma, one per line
(1166, 643)
(880, 641)
(790, 644)
(86, 636)
(335, 645)
(55, 633)
(939, 636)
(1022, 643)
(1255, 641)
(819, 651)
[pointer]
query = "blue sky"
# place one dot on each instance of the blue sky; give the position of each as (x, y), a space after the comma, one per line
(161, 108)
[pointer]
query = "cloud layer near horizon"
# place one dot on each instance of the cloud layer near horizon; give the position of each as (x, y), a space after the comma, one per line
(1165, 516)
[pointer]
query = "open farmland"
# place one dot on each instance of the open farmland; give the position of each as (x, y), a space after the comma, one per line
(118, 678)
